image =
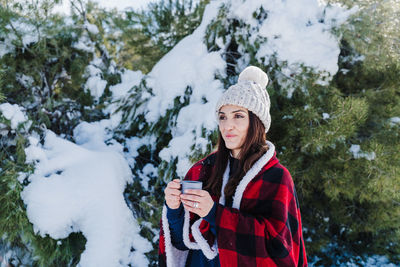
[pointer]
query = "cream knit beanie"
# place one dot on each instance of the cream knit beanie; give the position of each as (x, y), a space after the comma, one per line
(250, 92)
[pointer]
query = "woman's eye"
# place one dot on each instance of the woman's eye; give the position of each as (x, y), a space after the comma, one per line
(221, 118)
(239, 116)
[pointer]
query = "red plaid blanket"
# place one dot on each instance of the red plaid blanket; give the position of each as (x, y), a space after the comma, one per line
(263, 227)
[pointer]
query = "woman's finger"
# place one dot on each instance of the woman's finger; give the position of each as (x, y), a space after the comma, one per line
(189, 205)
(173, 192)
(172, 197)
(197, 210)
(191, 198)
(172, 201)
(197, 192)
(174, 184)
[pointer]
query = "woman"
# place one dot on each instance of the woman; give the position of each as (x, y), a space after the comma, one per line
(247, 213)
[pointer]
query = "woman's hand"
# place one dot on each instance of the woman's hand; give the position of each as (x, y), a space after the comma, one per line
(172, 194)
(197, 201)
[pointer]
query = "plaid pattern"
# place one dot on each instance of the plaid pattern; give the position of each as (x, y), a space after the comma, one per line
(264, 229)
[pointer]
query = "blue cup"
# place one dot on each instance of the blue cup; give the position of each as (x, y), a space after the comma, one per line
(191, 185)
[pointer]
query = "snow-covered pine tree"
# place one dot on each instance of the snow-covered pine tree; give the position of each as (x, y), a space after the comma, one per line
(366, 193)
(67, 81)
(148, 34)
(50, 66)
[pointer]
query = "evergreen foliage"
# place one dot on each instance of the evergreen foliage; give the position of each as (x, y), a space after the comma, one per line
(44, 72)
(366, 192)
(146, 203)
(149, 34)
(18, 236)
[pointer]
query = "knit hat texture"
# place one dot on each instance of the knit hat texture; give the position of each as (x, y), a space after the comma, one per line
(249, 92)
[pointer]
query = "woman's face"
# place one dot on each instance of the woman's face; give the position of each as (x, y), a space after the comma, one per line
(233, 124)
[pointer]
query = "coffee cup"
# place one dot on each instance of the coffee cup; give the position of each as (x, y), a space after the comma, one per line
(186, 184)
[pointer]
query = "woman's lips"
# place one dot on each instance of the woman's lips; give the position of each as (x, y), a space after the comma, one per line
(230, 136)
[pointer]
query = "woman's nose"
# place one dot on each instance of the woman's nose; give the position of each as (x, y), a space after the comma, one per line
(229, 124)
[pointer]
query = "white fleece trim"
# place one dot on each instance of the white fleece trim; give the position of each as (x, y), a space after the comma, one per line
(175, 257)
(254, 170)
(209, 252)
(225, 179)
(186, 240)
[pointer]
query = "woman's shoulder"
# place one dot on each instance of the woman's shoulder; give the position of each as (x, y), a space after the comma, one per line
(208, 160)
(195, 171)
(275, 172)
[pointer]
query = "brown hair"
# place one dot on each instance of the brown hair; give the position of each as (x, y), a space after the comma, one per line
(253, 148)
